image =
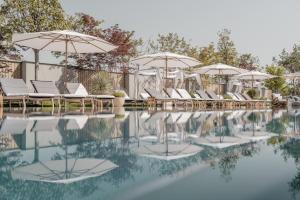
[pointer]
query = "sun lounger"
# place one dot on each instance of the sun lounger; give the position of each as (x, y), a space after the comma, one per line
(209, 100)
(44, 86)
(172, 93)
(16, 89)
(80, 90)
(158, 98)
(196, 100)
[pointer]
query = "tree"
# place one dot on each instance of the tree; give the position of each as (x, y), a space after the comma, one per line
(28, 16)
(127, 44)
(208, 55)
(172, 42)
(278, 83)
(247, 61)
(226, 48)
(290, 60)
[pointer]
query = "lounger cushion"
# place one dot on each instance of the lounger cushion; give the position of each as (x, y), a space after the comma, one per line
(37, 95)
(203, 95)
(77, 89)
(144, 95)
(13, 87)
(73, 96)
(102, 96)
(172, 93)
(48, 87)
(213, 95)
(184, 93)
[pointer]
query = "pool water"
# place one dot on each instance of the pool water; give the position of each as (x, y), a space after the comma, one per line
(142, 154)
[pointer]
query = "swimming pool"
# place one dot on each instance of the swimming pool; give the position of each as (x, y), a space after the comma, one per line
(141, 154)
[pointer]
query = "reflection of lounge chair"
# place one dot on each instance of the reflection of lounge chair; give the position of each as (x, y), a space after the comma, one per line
(13, 125)
(76, 122)
(46, 123)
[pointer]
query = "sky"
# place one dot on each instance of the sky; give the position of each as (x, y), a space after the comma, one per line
(260, 27)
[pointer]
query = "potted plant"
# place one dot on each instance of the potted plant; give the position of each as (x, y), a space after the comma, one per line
(119, 99)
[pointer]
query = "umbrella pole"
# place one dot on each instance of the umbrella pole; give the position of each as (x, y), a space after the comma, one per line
(66, 62)
(166, 72)
(37, 63)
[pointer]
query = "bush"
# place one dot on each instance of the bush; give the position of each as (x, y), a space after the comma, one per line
(226, 96)
(118, 94)
(251, 93)
(101, 83)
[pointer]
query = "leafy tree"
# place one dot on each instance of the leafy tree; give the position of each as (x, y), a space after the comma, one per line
(208, 55)
(247, 61)
(278, 83)
(172, 42)
(28, 16)
(226, 48)
(127, 44)
(289, 60)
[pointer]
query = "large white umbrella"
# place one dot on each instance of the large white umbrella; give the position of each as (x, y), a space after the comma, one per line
(165, 60)
(62, 41)
(220, 69)
(254, 75)
(221, 142)
(169, 152)
(63, 171)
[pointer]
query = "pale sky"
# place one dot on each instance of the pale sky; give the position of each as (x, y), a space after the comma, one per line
(261, 27)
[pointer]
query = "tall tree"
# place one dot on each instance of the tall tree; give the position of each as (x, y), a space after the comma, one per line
(117, 59)
(172, 42)
(278, 83)
(28, 16)
(226, 48)
(208, 55)
(248, 61)
(289, 60)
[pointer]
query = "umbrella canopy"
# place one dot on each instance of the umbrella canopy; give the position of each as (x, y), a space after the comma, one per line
(220, 69)
(165, 60)
(169, 152)
(254, 75)
(63, 171)
(62, 41)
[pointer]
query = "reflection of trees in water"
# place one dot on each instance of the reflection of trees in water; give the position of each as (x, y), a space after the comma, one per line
(277, 125)
(93, 141)
(291, 149)
(227, 159)
(172, 167)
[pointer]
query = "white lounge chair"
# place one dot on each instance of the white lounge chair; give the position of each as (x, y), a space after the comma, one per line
(16, 89)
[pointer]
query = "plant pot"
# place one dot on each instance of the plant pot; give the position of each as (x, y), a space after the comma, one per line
(119, 101)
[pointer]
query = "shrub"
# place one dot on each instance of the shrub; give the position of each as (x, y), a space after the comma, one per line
(101, 83)
(251, 93)
(118, 94)
(226, 96)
